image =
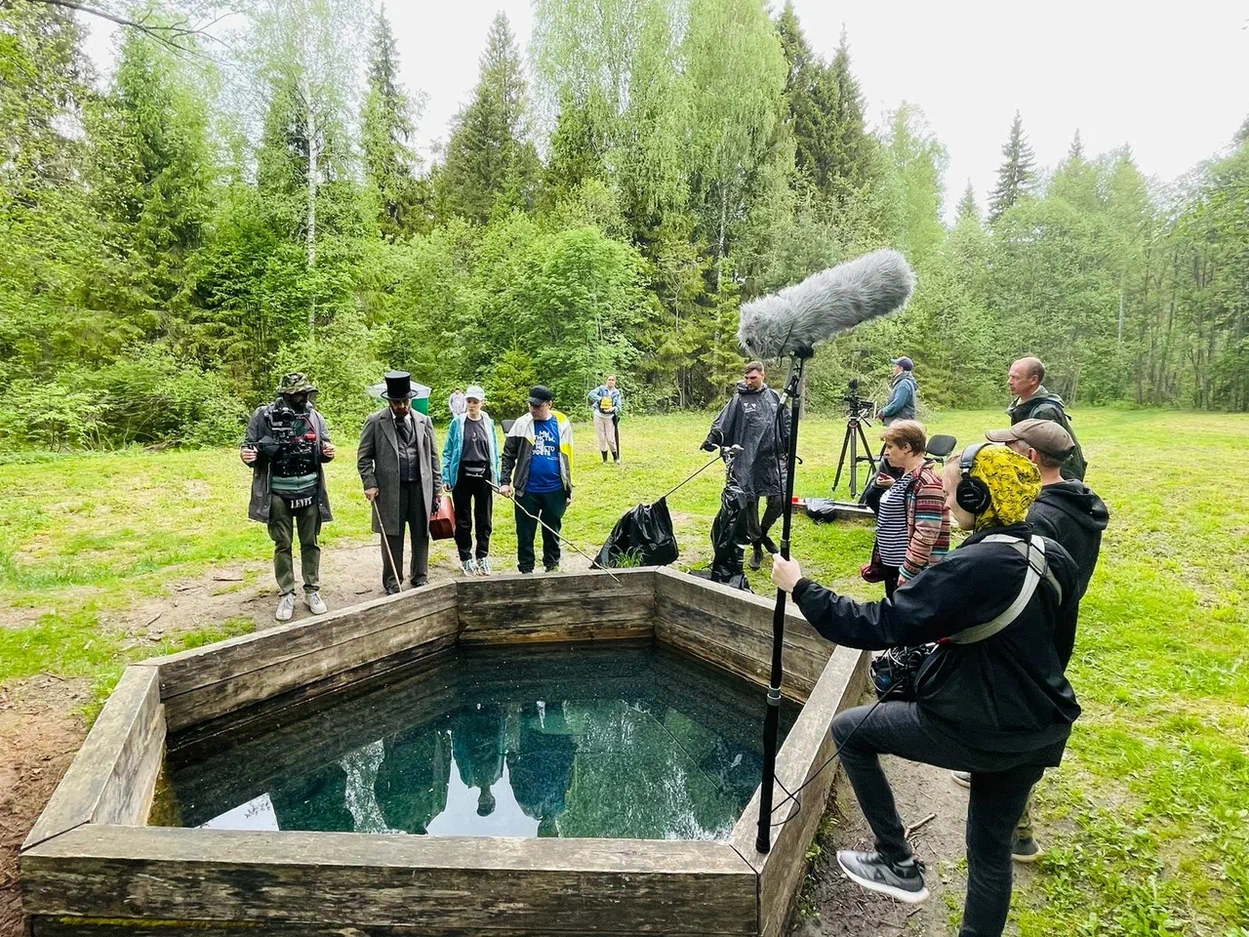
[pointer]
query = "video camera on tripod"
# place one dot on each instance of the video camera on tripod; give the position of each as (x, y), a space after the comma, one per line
(857, 406)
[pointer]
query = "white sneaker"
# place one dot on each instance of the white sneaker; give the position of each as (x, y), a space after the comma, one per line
(286, 607)
(469, 568)
(315, 603)
(483, 567)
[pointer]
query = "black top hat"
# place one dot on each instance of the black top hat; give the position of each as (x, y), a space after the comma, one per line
(398, 386)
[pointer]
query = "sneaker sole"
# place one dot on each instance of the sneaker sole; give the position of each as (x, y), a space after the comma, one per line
(1033, 857)
(908, 897)
(966, 785)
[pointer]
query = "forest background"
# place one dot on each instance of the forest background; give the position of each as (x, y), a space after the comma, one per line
(246, 199)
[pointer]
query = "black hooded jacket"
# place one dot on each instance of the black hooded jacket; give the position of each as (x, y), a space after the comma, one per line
(1046, 406)
(1007, 693)
(750, 420)
(1072, 513)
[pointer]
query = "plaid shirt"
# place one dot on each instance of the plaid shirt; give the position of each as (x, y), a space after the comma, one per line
(927, 524)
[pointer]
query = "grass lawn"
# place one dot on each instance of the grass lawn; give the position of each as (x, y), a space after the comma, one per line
(1148, 818)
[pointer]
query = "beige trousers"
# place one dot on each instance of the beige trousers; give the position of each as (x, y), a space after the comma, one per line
(605, 430)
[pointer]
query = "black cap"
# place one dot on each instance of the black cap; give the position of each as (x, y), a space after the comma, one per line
(538, 395)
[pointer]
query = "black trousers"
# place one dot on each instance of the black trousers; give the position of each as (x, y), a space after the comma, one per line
(549, 507)
(474, 506)
(412, 514)
(1000, 784)
(890, 580)
(758, 532)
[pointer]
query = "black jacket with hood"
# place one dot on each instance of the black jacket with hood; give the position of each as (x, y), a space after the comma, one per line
(1046, 406)
(1005, 694)
(1072, 513)
(750, 420)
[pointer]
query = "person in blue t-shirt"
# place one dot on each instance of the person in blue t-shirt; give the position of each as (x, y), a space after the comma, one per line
(537, 471)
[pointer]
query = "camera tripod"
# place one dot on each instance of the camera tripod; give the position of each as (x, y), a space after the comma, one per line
(850, 443)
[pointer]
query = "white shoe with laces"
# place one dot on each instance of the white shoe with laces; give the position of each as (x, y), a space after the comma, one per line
(286, 607)
(315, 603)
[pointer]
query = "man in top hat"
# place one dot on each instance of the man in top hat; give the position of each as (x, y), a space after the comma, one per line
(904, 397)
(285, 445)
(402, 477)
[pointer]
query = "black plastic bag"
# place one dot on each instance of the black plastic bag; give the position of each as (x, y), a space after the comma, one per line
(643, 537)
(729, 536)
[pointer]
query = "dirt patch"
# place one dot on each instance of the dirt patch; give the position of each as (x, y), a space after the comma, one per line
(39, 734)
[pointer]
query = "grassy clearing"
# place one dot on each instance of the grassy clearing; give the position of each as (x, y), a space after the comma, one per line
(1148, 819)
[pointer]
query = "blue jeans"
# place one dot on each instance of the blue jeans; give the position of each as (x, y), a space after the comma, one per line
(1000, 783)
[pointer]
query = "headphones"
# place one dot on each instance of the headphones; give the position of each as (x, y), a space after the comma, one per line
(972, 494)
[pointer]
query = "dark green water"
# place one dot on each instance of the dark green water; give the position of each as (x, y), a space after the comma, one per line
(569, 741)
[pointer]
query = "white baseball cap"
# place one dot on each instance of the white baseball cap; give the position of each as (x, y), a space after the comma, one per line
(475, 392)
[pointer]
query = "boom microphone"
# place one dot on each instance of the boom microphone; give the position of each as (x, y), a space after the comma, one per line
(825, 304)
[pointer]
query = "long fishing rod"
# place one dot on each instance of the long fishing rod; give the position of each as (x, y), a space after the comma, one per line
(546, 526)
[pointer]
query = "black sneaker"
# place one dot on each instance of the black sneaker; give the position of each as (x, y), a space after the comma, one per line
(756, 556)
(876, 873)
(1025, 850)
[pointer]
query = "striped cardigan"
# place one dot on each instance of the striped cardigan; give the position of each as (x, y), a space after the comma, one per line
(927, 524)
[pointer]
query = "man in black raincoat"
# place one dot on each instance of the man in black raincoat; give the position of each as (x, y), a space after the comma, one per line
(754, 420)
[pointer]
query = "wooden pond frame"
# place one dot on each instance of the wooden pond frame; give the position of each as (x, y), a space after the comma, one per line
(91, 866)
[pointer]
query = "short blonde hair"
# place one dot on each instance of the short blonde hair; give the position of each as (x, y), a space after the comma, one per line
(908, 433)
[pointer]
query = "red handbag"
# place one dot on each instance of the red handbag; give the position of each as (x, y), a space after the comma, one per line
(442, 521)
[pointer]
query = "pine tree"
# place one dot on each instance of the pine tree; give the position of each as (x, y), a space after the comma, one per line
(853, 150)
(489, 158)
(387, 126)
(1016, 177)
(1076, 179)
(967, 207)
(811, 96)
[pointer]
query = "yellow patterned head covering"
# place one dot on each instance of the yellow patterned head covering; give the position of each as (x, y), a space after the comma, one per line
(1014, 484)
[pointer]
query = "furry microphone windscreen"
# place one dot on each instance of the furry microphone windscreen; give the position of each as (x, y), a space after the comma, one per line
(825, 304)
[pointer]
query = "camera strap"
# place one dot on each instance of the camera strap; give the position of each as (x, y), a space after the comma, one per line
(1033, 550)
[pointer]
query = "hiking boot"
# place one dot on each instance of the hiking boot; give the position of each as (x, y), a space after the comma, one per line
(876, 873)
(315, 603)
(392, 590)
(286, 607)
(962, 778)
(469, 567)
(1025, 849)
(483, 567)
(756, 556)
(552, 569)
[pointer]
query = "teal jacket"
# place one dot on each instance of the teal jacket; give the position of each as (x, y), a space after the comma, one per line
(454, 447)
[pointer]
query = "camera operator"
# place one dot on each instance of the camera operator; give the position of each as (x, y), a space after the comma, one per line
(991, 698)
(750, 420)
(285, 445)
(904, 397)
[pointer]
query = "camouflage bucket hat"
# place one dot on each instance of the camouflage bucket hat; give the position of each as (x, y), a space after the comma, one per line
(295, 383)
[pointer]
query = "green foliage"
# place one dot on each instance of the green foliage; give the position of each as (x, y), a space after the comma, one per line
(1017, 175)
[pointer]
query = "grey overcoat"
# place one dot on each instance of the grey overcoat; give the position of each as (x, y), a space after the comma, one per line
(378, 461)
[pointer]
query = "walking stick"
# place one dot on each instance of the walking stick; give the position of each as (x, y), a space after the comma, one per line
(386, 543)
(615, 423)
(558, 536)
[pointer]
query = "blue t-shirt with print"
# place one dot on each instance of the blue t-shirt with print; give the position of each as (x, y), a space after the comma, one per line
(544, 468)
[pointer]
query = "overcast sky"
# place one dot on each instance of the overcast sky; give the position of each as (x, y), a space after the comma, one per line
(1170, 80)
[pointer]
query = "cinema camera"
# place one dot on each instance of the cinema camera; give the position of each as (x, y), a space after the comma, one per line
(291, 436)
(858, 407)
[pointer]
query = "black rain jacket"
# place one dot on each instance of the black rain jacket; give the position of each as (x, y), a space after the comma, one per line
(1046, 406)
(750, 420)
(1007, 693)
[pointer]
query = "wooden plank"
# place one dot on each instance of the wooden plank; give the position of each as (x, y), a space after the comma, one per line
(565, 587)
(287, 672)
(591, 609)
(308, 698)
(189, 670)
(443, 884)
(807, 747)
(100, 927)
(741, 649)
(754, 612)
(107, 754)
